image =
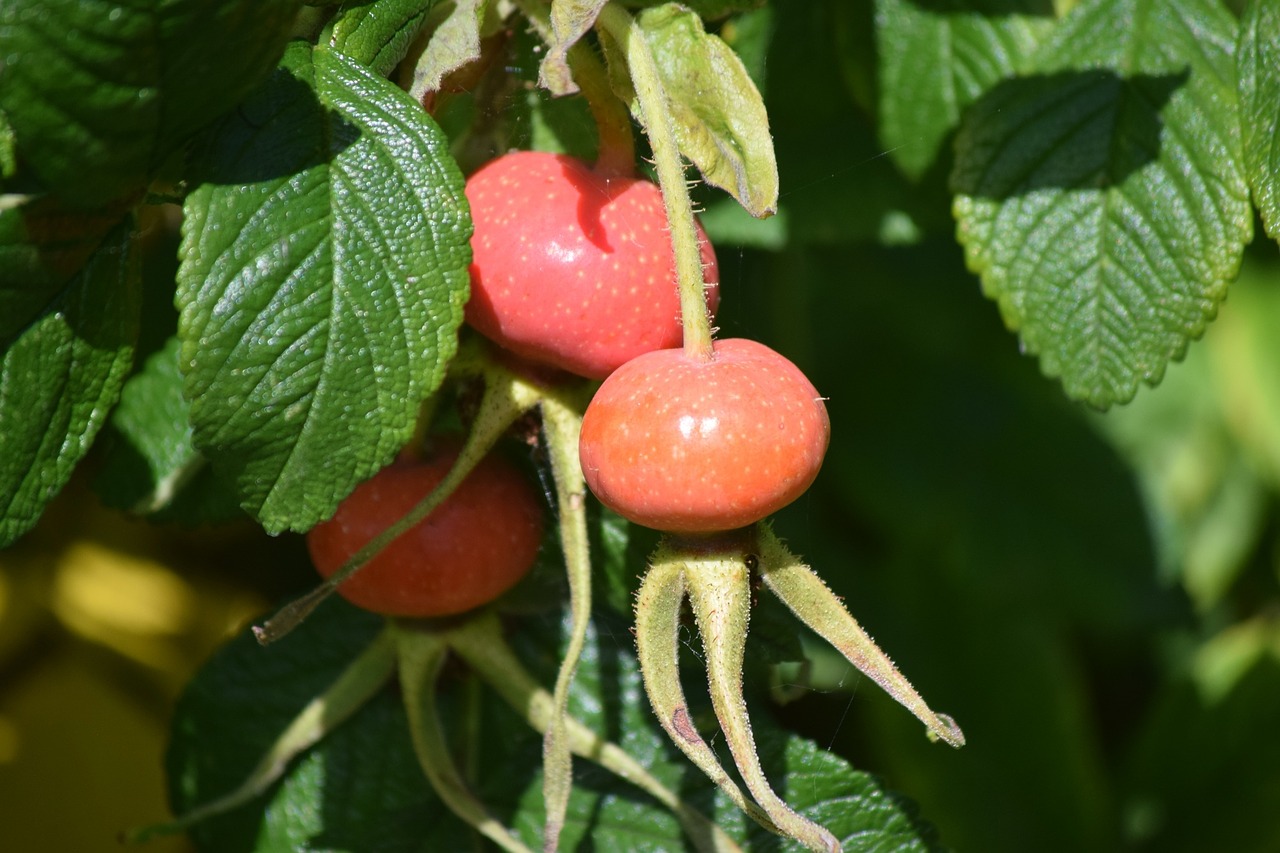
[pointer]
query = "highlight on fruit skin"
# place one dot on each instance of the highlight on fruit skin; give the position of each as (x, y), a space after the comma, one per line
(475, 546)
(689, 446)
(572, 268)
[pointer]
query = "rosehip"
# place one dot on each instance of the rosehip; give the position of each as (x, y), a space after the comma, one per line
(475, 546)
(571, 268)
(691, 446)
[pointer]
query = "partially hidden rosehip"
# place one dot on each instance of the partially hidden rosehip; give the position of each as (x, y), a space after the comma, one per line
(690, 446)
(572, 268)
(475, 546)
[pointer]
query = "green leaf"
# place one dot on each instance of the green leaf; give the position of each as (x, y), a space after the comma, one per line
(324, 269)
(42, 246)
(100, 93)
(360, 789)
(150, 466)
(937, 58)
(378, 34)
(60, 376)
(1258, 66)
(720, 121)
(708, 10)
(1103, 199)
(570, 21)
(455, 42)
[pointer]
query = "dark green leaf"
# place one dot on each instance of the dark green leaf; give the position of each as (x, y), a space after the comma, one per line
(324, 269)
(937, 58)
(99, 94)
(1103, 199)
(42, 245)
(150, 466)
(1258, 66)
(378, 34)
(60, 376)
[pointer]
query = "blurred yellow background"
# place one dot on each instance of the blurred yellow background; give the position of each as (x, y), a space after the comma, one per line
(102, 621)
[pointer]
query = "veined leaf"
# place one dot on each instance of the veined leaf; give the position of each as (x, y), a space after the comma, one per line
(937, 58)
(323, 273)
(99, 93)
(378, 34)
(60, 375)
(720, 121)
(1103, 199)
(1258, 65)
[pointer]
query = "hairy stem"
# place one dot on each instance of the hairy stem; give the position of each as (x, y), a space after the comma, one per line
(562, 423)
(480, 643)
(506, 397)
(656, 115)
(818, 607)
(422, 654)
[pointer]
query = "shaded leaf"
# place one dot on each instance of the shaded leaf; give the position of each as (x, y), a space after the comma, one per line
(324, 268)
(937, 58)
(150, 466)
(60, 376)
(455, 42)
(1103, 199)
(99, 94)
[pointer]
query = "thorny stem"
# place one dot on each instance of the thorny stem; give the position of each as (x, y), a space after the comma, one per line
(506, 397)
(818, 607)
(422, 654)
(562, 423)
(655, 112)
(479, 642)
(720, 593)
(362, 678)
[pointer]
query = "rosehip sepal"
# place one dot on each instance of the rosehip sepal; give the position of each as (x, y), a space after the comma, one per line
(715, 576)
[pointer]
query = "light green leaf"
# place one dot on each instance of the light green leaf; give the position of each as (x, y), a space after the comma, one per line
(1103, 199)
(324, 269)
(60, 375)
(100, 93)
(937, 58)
(720, 121)
(570, 21)
(455, 42)
(378, 34)
(1258, 65)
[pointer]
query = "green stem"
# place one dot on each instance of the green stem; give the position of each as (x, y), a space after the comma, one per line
(479, 642)
(506, 397)
(720, 594)
(422, 654)
(822, 610)
(562, 423)
(361, 679)
(656, 114)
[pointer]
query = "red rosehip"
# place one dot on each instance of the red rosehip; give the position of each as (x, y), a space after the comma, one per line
(474, 547)
(691, 446)
(571, 268)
